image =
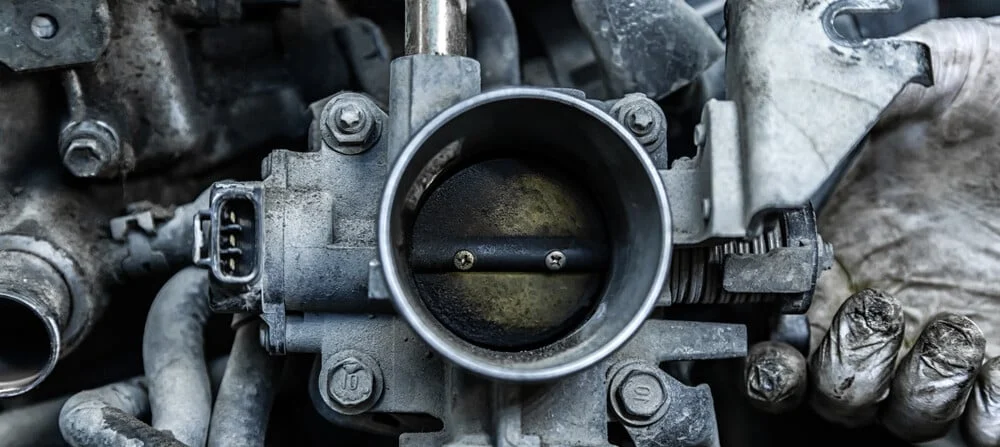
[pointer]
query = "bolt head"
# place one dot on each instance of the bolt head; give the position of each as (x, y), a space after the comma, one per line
(350, 124)
(90, 148)
(555, 260)
(85, 157)
(641, 395)
(641, 121)
(351, 383)
(44, 27)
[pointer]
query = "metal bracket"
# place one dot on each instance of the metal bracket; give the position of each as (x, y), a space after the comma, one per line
(39, 34)
(801, 99)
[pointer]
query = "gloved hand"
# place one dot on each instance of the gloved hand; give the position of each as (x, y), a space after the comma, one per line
(916, 229)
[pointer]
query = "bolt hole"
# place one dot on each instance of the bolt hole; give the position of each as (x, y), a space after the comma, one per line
(44, 26)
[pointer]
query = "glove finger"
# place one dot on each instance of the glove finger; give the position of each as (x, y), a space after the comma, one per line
(934, 379)
(981, 422)
(851, 371)
(775, 377)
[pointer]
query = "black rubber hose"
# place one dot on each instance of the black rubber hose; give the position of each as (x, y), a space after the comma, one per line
(494, 35)
(243, 405)
(173, 355)
(110, 417)
(33, 425)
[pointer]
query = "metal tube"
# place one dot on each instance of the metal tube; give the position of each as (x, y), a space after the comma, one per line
(35, 307)
(110, 417)
(173, 357)
(243, 405)
(436, 27)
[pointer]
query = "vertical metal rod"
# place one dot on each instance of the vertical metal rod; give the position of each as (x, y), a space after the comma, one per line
(436, 27)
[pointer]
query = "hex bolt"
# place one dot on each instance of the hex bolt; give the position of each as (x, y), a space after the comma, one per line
(555, 260)
(44, 27)
(464, 260)
(90, 149)
(641, 121)
(351, 123)
(352, 384)
(641, 395)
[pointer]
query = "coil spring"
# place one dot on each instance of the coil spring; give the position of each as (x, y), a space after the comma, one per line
(696, 273)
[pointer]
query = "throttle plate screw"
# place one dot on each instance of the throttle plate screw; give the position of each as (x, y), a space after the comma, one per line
(350, 118)
(352, 383)
(464, 260)
(43, 27)
(555, 260)
(641, 121)
(641, 395)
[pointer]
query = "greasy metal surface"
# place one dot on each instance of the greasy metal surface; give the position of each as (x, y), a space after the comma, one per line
(684, 417)
(779, 266)
(90, 148)
(422, 86)
(77, 32)
(85, 306)
(629, 192)
(638, 394)
(166, 93)
(350, 123)
(644, 118)
(352, 381)
(35, 308)
(784, 58)
(570, 411)
(652, 47)
(501, 199)
(770, 147)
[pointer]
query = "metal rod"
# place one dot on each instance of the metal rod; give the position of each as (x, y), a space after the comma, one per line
(509, 254)
(436, 27)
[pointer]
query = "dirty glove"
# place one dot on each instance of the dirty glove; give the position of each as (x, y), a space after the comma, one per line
(916, 228)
